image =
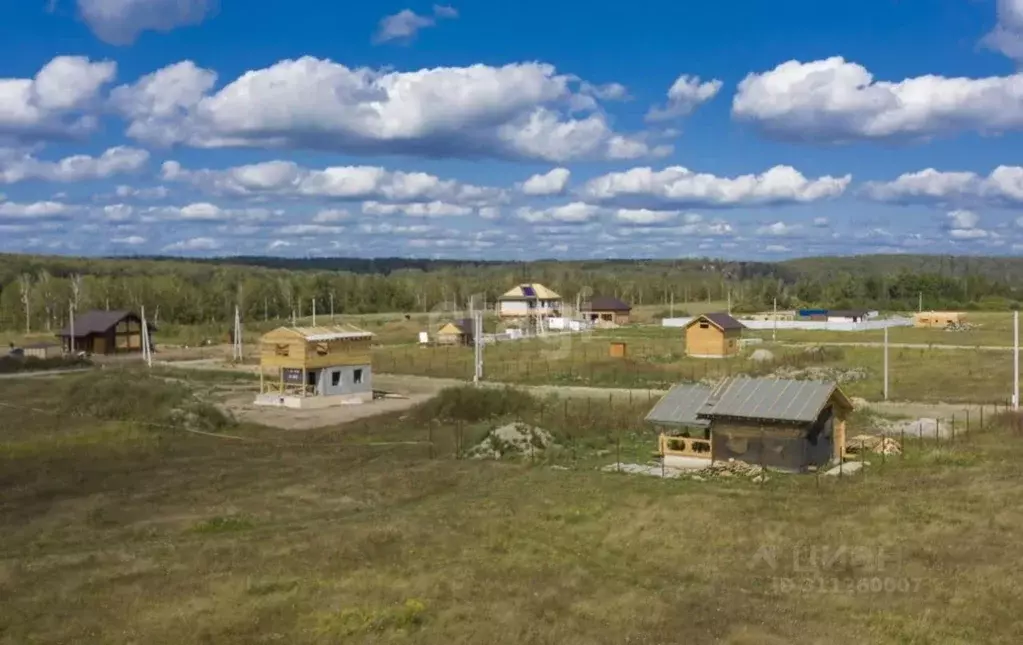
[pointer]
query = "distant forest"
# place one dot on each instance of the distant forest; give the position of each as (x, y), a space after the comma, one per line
(35, 291)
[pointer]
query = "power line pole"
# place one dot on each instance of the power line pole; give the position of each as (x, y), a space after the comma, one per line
(71, 311)
(886, 363)
(147, 353)
(477, 338)
(774, 332)
(331, 306)
(314, 312)
(237, 340)
(671, 312)
(1015, 360)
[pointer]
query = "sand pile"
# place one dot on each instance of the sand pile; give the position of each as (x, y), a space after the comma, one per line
(512, 440)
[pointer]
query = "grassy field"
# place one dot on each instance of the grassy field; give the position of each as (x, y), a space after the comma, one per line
(119, 527)
(658, 361)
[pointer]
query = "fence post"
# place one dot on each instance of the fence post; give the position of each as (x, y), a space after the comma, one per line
(429, 437)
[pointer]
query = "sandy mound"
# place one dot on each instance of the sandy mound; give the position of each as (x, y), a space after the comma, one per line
(512, 440)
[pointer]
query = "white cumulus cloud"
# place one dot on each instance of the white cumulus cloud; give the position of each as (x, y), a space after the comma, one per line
(576, 212)
(119, 22)
(60, 102)
(194, 244)
(120, 160)
(833, 100)
(678, 186)
(1007, 36)
(524, 110)
(404, 25)
(550, 183)
(428, 209)
(356, 183)
(35, 210)
(685, 95)
(1002, 187)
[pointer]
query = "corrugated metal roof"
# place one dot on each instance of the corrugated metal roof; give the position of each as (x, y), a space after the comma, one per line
(680, 406)
(766, 398)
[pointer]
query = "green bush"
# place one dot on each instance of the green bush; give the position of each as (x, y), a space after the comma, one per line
(475, 404)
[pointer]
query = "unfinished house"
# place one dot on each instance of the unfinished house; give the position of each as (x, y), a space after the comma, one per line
(607, 311)
(938, 319)
(529, 300)
(713, 336)
(105, 332)
(777, 423)
(306, 367)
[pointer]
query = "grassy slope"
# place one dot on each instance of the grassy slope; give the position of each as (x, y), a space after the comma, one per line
(163, 537)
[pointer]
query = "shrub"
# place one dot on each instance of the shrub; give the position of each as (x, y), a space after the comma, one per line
(475, 404)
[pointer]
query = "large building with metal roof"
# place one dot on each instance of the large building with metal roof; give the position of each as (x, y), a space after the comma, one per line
(779, 423)
(314, 366)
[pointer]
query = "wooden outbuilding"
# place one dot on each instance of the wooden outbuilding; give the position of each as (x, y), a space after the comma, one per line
(605, 309)
(938, 319)
(106, 332)
(713, 336)
(777, 423)
(456, 332)
(332, 363)
(42, 350)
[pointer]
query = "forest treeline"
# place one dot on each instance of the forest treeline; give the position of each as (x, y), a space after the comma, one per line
(37, 291)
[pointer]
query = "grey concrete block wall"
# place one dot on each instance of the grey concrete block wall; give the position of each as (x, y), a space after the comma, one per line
(345, 380)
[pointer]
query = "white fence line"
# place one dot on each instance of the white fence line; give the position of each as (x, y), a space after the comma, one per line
(808, 325)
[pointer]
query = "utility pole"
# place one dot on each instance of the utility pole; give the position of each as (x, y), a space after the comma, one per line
(886, 363)
(266, 311)
(920, 301)
(71, 326)
(331, 306)
(729, 302)
(671, 312)
(237, 340)
(1015, 360)
(147, 353)
(774, 332)
(314, 312)
(477, 341)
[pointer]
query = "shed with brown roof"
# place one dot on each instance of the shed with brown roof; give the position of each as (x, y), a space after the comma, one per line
(714, 335)
(607, 309)
(105, 332)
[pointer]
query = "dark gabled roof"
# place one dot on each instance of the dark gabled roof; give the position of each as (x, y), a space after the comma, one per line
(97, 322)
(607, 303)
(720, 320)
(770, 399)
(680, 406)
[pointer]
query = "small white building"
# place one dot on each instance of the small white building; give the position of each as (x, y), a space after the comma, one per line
(529, 300)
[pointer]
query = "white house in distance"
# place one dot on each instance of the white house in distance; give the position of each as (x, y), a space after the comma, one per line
(529, 300)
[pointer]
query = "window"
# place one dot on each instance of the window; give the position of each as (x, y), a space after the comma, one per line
(335, 378)
(704, 325)
(357, 376)
(322, 349)
(281, 350)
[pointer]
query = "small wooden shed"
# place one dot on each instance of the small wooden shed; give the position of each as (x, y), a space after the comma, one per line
(618, 349)
(713, 336)
(42, 350)
(778, 423)
(456, 332)
(605, 309)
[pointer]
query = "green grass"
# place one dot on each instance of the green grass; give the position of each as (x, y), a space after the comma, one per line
(658, 361)
(323, 539)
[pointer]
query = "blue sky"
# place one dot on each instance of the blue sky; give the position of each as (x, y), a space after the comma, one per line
(738, 129)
